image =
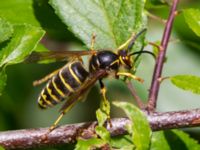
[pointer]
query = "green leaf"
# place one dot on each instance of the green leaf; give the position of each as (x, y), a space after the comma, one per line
(187, 82)
(189, 142)
(37, 13)
(103, 133)
(40, 48)
(101, 117)
(158, 141)
(192, 18)
(122, 142)
(103, 113)
(140, 129)
(18, 11)
(89, 144)
(3, 78)
(113, 22)
(24, 40)
(1, 148)
(6, 30)
(173, 139)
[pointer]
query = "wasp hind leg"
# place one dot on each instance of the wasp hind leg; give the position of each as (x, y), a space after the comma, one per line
(56, 122)
(105, 107)
(67, 107)
(46, 78)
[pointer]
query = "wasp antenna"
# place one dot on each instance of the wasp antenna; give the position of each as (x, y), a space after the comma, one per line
(132, 42)
(143, 52)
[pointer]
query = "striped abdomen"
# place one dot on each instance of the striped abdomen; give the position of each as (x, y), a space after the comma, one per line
(63, 84)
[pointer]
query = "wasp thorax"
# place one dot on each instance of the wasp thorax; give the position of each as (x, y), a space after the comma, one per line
(104, 60)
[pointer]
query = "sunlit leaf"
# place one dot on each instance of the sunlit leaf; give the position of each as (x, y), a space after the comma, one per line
(192, 18)
(113, 22)
(140, 129)
(122, 142)
(89, 144)
(187, 82)
(103, 133)
(101, 117)
(103, 112)
(158, 141)
(1, 148)
(24, 40)
(18, 11)
(6, 30)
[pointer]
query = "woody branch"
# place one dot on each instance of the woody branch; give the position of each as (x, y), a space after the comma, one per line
(155, 84)
(30, 138)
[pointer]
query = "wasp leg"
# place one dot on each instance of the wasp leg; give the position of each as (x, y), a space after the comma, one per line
(65, 110)
(127, 74)
(56, 122)
(93, 41)
(130, 42)
(125, 45)
(106, 104)
(46, 78)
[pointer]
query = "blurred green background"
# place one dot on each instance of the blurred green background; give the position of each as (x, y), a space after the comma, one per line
(18, 104)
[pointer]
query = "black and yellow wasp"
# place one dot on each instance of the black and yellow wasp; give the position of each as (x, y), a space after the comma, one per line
(72, 81)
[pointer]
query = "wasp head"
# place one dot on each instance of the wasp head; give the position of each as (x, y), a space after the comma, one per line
(125, 59)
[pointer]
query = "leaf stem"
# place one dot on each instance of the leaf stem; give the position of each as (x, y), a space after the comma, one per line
(152, 16)
(155, 84)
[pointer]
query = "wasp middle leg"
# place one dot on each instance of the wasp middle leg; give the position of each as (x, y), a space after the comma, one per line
(69, 104)
(105, 102)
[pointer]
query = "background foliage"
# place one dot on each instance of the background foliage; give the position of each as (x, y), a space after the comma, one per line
(23, 23)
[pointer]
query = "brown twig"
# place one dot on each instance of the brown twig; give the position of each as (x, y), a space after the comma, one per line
(155, 84)
(30, 138)
(139, 102)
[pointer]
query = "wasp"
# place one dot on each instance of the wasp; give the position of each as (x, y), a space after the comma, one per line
(73, 81)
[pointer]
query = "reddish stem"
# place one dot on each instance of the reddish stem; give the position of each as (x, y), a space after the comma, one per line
(155, 84)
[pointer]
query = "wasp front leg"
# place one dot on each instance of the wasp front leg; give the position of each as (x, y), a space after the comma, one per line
(105, 105)
(93, 41)
(128, 74)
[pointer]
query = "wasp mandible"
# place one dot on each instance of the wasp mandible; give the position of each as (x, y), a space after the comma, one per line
(72, 81)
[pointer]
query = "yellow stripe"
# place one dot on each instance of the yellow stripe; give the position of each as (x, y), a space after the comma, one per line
(57, 89)
(98, 64)
(65, 83)
(93, 67)
(73, 74)
(44, 98)
(41, 103)
(50, 93)
(116, 61)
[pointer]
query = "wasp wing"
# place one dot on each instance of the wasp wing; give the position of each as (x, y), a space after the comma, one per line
(57, 55)
(83, 90)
